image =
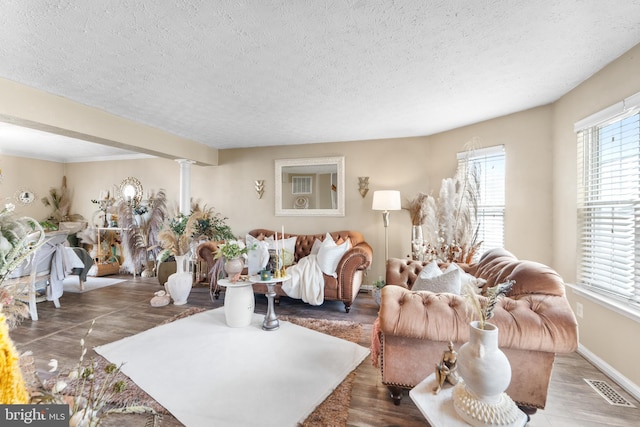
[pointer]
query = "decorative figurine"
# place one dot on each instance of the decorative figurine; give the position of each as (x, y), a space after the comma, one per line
(446, 369)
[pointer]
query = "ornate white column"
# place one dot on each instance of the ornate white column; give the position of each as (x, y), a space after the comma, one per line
(185, 185)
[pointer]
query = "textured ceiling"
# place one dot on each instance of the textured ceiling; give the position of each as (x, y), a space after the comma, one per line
(255, 72)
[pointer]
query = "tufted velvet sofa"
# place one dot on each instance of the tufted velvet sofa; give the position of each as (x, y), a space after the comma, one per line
(350, 271)
(534, 319)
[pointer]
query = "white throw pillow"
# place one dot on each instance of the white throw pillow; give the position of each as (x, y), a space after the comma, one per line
(258, 255)
(330, 254)
(289, 248)
(476, 283)
(430, 270)
(444, 283)
(316, 247)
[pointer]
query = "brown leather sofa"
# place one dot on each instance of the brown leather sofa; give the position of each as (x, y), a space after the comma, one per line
(350, 271)
(534, 319)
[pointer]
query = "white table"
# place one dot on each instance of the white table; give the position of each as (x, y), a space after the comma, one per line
(239, 302)
(438, 408)
(271, 322)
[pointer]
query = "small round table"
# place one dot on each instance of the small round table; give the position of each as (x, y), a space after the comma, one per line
(271, 322)
(239, 302)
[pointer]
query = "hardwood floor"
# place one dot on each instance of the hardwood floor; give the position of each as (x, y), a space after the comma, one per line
(123, 309)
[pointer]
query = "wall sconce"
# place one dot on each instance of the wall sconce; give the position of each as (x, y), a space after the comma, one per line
(363, 185)
(259, 188)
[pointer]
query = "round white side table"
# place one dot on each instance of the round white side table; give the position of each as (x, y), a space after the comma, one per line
(239, 302)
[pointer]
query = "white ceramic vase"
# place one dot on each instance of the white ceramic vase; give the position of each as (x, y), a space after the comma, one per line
(482, 365)
(233, 266)
(179, 283)
(486, 373)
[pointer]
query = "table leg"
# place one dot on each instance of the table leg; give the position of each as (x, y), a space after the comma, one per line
(271, 322)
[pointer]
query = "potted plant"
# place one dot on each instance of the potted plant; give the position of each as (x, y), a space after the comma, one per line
(377, 290)
(233, 252)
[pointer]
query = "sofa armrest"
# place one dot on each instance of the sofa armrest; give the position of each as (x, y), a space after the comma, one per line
(357, 258)
(533, 322)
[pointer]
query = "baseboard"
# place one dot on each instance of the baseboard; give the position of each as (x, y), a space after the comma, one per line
(609, 371)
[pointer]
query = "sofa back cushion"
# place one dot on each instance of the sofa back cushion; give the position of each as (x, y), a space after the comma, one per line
(499, 265)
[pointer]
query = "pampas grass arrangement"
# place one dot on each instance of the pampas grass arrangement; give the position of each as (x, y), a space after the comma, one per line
(451, 221)
(142, 238)
(418, 208)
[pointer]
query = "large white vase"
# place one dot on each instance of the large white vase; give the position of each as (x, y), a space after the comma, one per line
(486, 373)
(179, 283)
(483, 366)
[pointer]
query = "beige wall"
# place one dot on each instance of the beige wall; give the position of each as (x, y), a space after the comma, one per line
(38, 176)
(602, 331)
(540, 211)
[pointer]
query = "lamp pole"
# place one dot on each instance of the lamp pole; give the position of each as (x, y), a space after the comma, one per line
(385, 201)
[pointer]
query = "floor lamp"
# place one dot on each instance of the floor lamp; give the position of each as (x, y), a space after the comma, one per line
(386, 200)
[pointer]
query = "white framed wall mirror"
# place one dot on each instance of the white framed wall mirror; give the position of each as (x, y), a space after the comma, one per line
(310, 187)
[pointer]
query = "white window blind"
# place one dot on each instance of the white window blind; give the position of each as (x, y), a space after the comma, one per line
(609, 201)
(301, 184)
(490, 166)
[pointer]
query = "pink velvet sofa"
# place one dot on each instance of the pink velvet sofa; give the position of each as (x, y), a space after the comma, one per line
(349, 273)
(534, 319)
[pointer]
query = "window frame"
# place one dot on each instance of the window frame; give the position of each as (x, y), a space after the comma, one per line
(478, 156)
(590, 156)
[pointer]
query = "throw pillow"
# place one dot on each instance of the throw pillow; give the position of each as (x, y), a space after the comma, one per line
(258, 255)
(316, 247)
(289, 248)
(330, 254)
(430, 270)
(444, 283)
(466, 279)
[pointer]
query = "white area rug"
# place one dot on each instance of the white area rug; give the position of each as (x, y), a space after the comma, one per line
(206, 373)
(72, 283)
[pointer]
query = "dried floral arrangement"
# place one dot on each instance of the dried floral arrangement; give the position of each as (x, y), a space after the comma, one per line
(202, 223)
(88, 391)
(451, 221)
(59, 200)
(142, 224)
(418, 207)
(483, 308)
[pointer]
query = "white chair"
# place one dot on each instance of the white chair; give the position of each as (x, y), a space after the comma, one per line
(45, 268)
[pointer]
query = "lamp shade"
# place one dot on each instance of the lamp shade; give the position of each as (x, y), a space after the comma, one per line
(386, 200)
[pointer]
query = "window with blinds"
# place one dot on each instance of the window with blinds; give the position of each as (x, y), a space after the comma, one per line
(301, 184)
(489, 163)
(609, 201)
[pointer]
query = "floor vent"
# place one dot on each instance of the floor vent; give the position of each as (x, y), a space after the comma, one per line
(608, 393)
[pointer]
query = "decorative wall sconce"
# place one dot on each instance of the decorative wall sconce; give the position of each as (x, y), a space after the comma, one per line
(259, 188)
(363, 185)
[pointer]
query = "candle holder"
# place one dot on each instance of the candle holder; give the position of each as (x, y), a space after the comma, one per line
(283, 269)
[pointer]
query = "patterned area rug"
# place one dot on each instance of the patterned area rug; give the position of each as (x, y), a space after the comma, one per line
(333, 411)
